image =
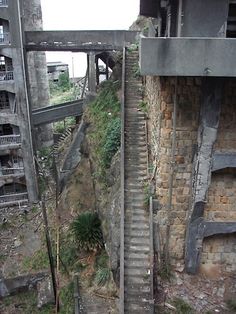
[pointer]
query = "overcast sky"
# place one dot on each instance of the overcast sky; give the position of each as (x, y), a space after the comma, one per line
(86, 14)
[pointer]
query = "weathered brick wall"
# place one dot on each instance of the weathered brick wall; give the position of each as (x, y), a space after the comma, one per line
(222, 193)
(221, 202)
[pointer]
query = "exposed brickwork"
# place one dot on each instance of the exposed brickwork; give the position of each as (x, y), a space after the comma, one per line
(220, 250)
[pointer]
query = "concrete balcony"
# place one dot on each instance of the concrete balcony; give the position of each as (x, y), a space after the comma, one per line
(188, 56)
(10, 141)
(3, 3)
(12, 171)
(13, 199)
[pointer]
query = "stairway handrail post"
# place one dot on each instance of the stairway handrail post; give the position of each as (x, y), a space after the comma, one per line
(122, 214)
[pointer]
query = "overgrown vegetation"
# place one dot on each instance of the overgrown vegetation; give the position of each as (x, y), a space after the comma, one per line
(67, 299)
(182, 307)
(86, 229)
(61, 126)
(231, 305)
(143, 106)
(26, 303)
(104, 114)
(102, 276)
(36, 262)
(103, 273)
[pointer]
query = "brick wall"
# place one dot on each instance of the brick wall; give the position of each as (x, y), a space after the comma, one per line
(222, 196)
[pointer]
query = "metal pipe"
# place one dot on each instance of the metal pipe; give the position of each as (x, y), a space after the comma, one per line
(171, 177)
(122, 214)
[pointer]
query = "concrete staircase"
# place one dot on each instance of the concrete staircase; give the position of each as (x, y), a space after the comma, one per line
(137, 279)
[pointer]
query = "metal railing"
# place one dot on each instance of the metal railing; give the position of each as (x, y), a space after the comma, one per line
(6, 76)
(152, 301)
(12, 198)
(3, 3)
(4, 105)
(122, 214)
(10, 139)
(4, 38)
(10, 171)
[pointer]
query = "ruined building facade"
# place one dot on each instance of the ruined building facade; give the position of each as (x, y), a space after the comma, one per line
(188, 61)
(17, 166)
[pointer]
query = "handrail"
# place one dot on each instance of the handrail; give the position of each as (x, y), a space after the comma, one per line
(122, 174)
(13, 197)
(8, 171)
(6, 76)
(10, 139)
(4, 105)
(4, 38)
(77, 295)
(3, 3)
(152, 303)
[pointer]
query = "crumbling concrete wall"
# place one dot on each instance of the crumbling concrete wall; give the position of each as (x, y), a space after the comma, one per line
(218, 251)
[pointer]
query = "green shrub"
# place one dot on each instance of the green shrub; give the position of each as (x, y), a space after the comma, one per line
(182, 307)
(102, 276)
(64, 81)
(86, 229)
(104, 115)
(102, 260)
(112, 142)
(231, 305)
(67, 299)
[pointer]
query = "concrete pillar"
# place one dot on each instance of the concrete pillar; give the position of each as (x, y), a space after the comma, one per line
(37, 68)
(91, 73)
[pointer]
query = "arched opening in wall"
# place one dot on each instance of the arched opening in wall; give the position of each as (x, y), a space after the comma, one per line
(7, 102)
(13, 188)
(4, 32)
(9, 129)
(6, 69)
(219, 256)
(221, 199)
(231, 22)
(11, 164)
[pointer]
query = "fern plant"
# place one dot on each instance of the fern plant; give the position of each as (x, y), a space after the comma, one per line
(86, 229)
(102, 276)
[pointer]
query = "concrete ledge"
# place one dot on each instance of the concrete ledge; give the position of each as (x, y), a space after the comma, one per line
(78, 40)
(188, 56)
(19, 284)
(223, 160)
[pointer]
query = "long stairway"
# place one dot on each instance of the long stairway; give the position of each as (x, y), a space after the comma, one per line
(137, 274)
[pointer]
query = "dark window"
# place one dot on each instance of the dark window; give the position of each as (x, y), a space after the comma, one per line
(231, 23)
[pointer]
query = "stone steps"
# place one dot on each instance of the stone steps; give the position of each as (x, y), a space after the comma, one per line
(136, 226)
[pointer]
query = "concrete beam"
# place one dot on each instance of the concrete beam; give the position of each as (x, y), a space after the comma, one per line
(57, 112)
(223, 160)
(80, 41)
(188, 56)
(8, 86)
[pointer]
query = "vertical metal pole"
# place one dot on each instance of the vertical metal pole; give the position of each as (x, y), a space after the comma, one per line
(49, 249)
(171, 177)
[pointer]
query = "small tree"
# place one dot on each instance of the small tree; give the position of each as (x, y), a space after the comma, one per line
(86, 229)
(64, 81)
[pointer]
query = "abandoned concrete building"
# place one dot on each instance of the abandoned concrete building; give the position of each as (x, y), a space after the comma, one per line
(188, 61)
(55, 69)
